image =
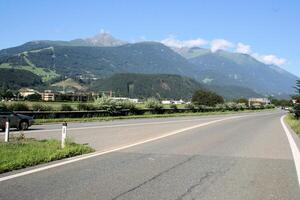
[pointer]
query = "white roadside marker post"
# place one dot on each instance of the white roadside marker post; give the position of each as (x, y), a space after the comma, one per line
(7, 130)
(64, 134)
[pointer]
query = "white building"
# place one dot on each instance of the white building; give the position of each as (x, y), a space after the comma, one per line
(262, 101)
(166, 102)
(176, 102)
(125, 99)
(48, 95)
(24, 92)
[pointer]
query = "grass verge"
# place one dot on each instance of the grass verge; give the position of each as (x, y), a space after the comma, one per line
(110, 118)
(293, 123)
(19, 154)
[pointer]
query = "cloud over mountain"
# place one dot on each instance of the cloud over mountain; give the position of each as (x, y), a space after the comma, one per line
(243, 48)
(220, 44)
(173, 42)
(270, 59)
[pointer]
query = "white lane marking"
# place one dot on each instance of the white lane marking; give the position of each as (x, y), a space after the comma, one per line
(294, 148)
(71, 160)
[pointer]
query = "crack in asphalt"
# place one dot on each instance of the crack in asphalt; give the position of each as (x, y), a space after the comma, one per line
(154, 177)
(206, 176)
(190, 189)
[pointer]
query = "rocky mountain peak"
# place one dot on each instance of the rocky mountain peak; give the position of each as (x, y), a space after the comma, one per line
(104, 39)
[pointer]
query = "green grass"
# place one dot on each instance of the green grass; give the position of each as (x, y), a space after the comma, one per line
(5, 66)
(110, 118)
(45, 74)
(293, 123)
(23, 153)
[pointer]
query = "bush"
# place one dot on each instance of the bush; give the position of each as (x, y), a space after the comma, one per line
(231, 106)
(221, 107)
(269, 106)
(85, 106)
(242, 106)
(190, 106)
(255, 106)
(41, 107)
(206, 98)
(203, 108)
(105, 103)
(18, 106)
(173, 106)
(66, 107)
(153, 103)
(126, 104)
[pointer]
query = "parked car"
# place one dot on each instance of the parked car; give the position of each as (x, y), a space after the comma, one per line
(21, 122)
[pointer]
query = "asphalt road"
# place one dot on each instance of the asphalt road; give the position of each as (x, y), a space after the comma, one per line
(230, 157)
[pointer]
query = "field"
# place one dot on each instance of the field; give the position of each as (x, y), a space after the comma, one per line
(293, 123)
(23, 153)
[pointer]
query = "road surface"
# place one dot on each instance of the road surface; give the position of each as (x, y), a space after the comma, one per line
(230, 157)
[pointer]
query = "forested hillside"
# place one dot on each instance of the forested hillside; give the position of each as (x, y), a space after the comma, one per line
(144, 86)
(15, 78)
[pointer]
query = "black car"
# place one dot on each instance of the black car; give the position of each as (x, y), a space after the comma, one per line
(21, 122)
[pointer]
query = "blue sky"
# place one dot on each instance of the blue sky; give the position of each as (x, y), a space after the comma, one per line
(268, 29)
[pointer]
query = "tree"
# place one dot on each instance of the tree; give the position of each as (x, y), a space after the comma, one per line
(297, 87)
(243, 100)
(297, 98)
(6, 94)
(34, 97)
(206, 98)
(281, 102)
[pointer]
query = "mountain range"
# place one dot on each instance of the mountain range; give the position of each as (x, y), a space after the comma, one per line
(102, 56)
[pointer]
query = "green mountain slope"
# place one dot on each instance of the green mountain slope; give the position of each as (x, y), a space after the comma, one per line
(148, 85)
(230, 92)
(163, 86)
(228, 68)
(15, 79)
(146, 57)
(103, 56)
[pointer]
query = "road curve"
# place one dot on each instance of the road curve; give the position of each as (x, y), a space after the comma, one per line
(245, 156)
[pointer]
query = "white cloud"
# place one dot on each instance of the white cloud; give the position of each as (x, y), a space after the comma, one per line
(220, 44)
(270, 59)
(243, 48)
(173, 42)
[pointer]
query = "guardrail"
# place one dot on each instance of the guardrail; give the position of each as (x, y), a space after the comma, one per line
(122, 112)
(99, 113)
